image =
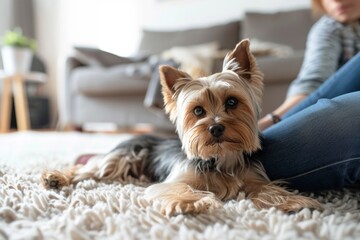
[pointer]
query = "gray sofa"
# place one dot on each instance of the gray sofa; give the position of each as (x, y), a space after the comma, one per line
(102, 87)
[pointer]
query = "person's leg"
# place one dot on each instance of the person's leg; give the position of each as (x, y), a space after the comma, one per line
(345, 80)
(317, 148)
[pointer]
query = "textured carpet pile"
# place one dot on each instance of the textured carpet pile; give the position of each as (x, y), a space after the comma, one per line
(114, 210)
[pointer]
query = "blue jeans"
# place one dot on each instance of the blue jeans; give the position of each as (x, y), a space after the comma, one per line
(317, 144)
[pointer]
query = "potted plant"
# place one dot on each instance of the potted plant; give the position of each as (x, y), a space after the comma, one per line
(17, 51)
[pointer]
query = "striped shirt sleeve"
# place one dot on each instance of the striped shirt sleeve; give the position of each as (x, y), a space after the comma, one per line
(321, 59)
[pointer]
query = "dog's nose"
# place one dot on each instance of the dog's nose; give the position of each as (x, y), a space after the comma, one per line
(217, 130)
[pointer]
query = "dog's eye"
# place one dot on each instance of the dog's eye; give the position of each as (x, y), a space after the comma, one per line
(231, 103)
(199, 111)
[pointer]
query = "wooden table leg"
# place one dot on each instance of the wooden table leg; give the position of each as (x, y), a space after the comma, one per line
(21, 104)
(5, 106)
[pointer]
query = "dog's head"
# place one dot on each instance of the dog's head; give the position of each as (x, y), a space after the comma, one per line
(216, 116)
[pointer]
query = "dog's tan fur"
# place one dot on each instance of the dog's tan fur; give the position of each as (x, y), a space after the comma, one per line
(186, 189)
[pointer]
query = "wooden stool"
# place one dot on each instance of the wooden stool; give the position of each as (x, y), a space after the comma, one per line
(16, 82)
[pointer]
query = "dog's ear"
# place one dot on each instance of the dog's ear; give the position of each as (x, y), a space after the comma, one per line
(240, 60)
(172, 80)
(169, 76)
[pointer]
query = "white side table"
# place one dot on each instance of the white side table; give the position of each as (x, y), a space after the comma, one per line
(17, 81)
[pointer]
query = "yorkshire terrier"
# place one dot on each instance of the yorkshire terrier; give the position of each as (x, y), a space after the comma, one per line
(216, 120)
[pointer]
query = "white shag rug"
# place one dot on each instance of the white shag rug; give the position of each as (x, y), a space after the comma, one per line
(96, 210)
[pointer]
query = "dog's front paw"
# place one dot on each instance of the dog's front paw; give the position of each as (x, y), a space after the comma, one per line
(287, 202)
(54, 180)
(179, 198)
(296, 203)
(175, 207)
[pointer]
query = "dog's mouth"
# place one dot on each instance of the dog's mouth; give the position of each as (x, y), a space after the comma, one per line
(215, 141)
(220, 140)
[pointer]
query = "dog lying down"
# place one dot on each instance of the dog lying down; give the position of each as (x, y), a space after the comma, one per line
(216, 120)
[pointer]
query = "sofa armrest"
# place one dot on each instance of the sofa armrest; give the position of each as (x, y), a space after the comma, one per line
(64, 93)
(71, 63)
(119, 80)
(118, 75)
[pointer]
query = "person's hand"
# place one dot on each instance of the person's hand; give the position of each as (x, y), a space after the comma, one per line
(265, 122)
(269, 119)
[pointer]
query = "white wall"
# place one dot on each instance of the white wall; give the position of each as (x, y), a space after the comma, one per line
(99, 23)
(5, 11)
(114, 25)
(48, 35)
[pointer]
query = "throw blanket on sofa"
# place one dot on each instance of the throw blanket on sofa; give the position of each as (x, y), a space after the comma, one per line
(198, 60)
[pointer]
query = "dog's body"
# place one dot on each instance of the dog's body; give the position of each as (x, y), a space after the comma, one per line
(216, 119)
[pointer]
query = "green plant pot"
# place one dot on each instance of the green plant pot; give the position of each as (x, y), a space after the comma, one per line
(16, 59)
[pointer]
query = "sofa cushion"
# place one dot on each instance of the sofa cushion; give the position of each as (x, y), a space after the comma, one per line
(280, 70)
(289, 28)
(124, 79)
(154, 42)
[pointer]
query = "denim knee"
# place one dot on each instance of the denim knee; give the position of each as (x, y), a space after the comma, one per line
(311, 149)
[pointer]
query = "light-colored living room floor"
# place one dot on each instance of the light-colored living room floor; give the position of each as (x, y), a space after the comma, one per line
(117, 210)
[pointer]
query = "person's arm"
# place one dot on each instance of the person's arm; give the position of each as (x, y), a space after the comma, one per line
(322, 53)
(268, 121)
